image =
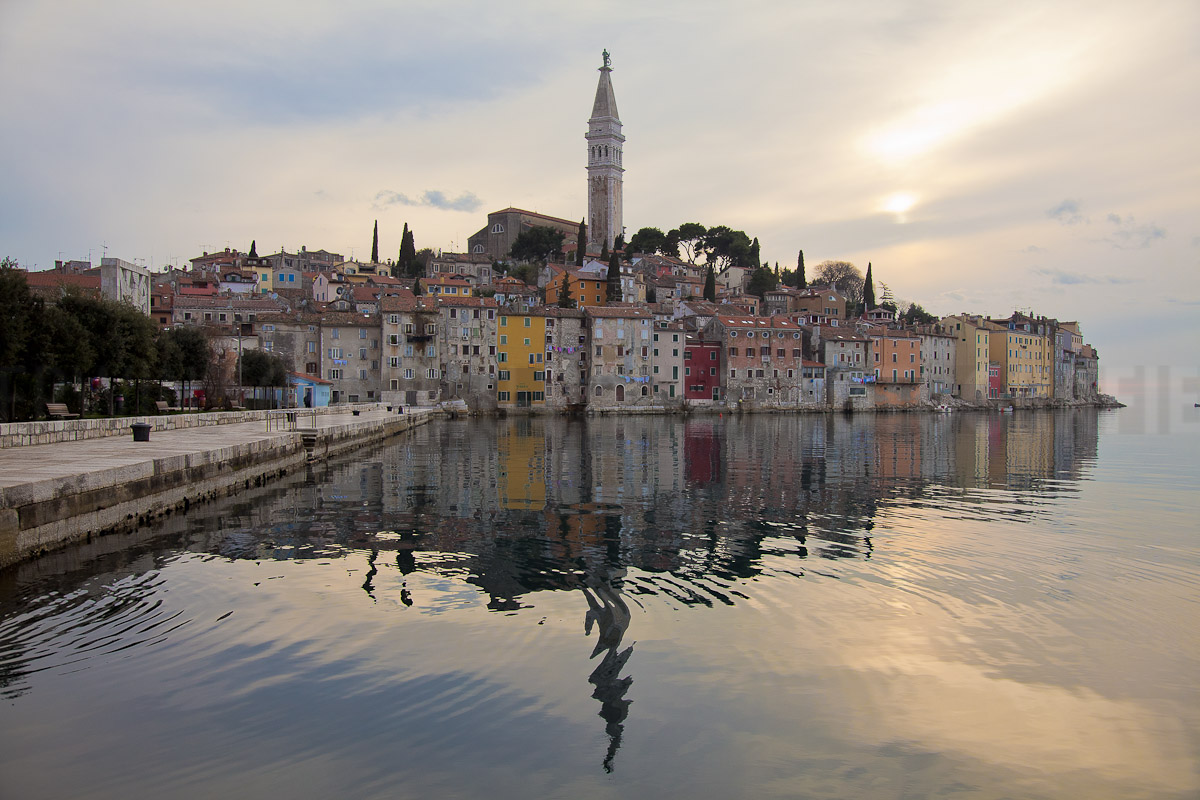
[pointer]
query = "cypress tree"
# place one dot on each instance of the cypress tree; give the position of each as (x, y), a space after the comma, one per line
(564, 294)
(614, 278)
(417, 290)
(755, 253)
(868, 290)
(407, 264)
(710, 286)
(253, 251)
(604, 252)
(581, 248)
(375, 244)
(802, 282)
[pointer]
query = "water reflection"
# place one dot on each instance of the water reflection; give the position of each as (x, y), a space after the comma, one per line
(692, 514)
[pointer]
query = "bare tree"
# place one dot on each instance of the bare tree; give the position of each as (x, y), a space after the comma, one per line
(844, 276)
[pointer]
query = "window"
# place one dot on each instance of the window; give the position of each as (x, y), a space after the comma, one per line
(539, 375)
(408, 374)
(502, 357)
(733, 351)
(497, 228)
(502, 397)
(393, 361)
(433, 373)
(733, 373)
(504, 338)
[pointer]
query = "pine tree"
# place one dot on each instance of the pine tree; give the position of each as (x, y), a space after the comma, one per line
(614, 278)
(801, 281)
(710, 286)
(375, 244)
(581, 247)
(868, 290)
(564, 294)
(407, 265)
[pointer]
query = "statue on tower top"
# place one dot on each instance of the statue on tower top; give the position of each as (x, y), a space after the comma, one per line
(607, 61)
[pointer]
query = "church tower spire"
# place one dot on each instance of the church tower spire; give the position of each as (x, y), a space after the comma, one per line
(604, 141)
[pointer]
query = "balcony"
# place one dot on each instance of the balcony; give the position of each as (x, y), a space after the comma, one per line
(418, 338)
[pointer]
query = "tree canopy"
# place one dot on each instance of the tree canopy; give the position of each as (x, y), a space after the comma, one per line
(652, 241)
(868, 289)
(843, 276)
(537, 244)
(614, 278)
(762, 280)
(688, 239)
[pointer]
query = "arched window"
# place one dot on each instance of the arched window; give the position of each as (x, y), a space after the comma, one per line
(599, 391)
(497, 228)
(645, 391)
(620, 393)
(477, 248)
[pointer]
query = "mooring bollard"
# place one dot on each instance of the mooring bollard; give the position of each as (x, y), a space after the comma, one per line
(141, 431)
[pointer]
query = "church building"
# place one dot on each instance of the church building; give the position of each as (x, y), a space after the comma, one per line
(604, 169)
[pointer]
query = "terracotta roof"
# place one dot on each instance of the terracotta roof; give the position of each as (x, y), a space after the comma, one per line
(615, 312)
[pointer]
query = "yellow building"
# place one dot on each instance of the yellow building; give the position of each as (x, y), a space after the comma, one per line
(520, 357)
(1025, 359)
(971, 356)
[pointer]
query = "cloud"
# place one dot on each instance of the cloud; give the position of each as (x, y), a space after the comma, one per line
(466, 201)
(1128, 235)
(1033, 248)
(1067, 212)
(1063, 278)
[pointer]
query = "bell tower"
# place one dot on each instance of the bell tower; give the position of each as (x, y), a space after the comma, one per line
(604, 143)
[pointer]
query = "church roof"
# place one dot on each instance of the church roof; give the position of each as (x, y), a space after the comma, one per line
(606, 101)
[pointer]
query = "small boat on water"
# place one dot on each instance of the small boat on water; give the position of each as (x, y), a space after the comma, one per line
(943, 408)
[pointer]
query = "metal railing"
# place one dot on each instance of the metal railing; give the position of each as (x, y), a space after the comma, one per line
(288, 419)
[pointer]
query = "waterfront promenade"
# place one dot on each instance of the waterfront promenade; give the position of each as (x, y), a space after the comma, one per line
(51, 494)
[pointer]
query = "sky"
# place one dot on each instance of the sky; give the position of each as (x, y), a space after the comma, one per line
(983, 157)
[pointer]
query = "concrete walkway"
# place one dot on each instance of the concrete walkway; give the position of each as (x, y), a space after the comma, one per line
(35, 463)
(51, 494)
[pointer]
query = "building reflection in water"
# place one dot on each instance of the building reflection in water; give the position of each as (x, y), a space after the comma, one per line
(614, 507)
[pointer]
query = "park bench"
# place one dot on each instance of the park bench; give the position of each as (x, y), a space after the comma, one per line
(59, 411)
(163, 408)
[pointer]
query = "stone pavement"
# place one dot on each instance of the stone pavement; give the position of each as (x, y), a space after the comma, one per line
(34, 463)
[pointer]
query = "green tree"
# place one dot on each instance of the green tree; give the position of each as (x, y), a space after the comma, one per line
(762, 280)
(253, 250)
(565, 300)
(417, 289)
(191, 354)
(619, 242)
(604, 253)
(725, 247)
(915, 315)
(260, 368)
(801, 280)
(755, 254)
(649, 241)
(581, 243)
(614, 277)
(537, 244)
(868, 289)
(375, 244)
(424, 256)
(710, 285)
(407, 265)
(690, 236)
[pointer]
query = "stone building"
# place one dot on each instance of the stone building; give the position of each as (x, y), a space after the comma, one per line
(939, 348)
(566, 357)
(475, 267)
(621, 340)
(351, 356)
(763, 360)
(495, 239)
(670, 342)
(467, 358)
(410, 372)
(296, 337)
(605, 144)
(849, 373)
(896, 362)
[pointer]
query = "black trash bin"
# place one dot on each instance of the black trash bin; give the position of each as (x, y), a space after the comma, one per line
(141, 431)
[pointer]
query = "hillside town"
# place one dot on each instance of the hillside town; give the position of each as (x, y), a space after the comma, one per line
(542, 312)
(466, 329)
